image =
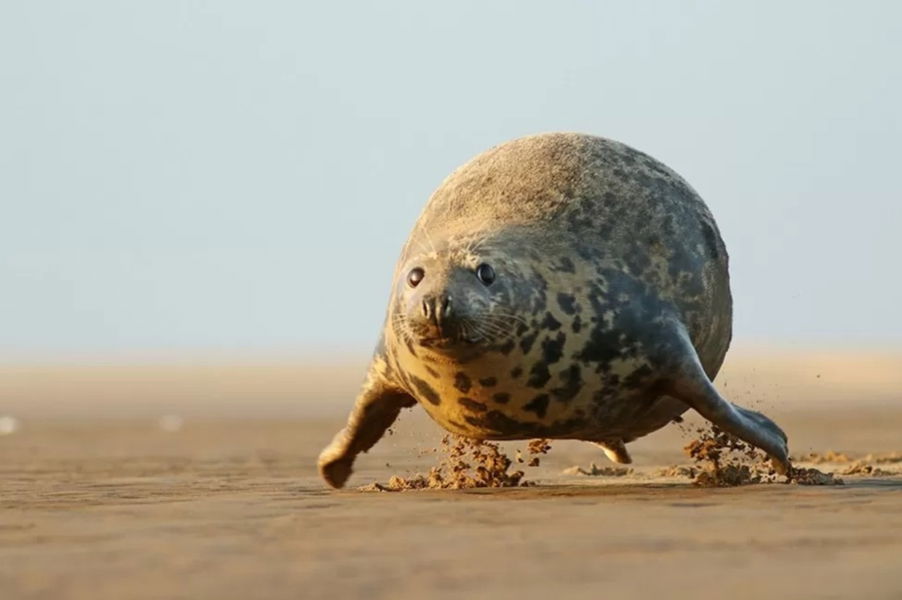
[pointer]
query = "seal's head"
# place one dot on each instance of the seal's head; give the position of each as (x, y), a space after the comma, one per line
(453, 296)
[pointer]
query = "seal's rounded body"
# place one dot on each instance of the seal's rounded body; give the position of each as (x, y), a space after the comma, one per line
(560, 286)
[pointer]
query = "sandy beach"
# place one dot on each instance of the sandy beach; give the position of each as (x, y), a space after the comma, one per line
(198, 481)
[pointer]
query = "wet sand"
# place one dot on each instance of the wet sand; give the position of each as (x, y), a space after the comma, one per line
(99, 498)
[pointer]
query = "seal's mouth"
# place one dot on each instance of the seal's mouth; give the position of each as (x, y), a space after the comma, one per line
(442, 342)
(445, 334)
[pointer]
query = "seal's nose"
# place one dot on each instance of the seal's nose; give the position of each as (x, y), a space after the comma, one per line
(437, 308)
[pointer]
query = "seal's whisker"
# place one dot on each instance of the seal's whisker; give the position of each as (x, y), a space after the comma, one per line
(496, 329)
(502, 321)
(496, 314)
(480, 331)
(469, 329)
(478, 243)
(494, 326)
(401, 326)
(494, 334)
(509, 316)
(429, 239)
(423, 248)
(474, 245)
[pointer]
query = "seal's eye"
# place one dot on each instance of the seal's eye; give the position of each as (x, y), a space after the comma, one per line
(415, 276)
(485, 273)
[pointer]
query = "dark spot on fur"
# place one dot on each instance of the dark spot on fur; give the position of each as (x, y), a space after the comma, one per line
(572, 384)
(632, 311)
(609, 390)
(506, 428)
(507, 347)
(538, 375)
(538, 405)
(527, 341)
(488, 381)
(471, 404)
(462, 382)
(566, 265)
(553, 349)
(550, 322)
(601, 347)
(516, 372)
(637, 377)
(425, 390)
(567, 302)
(431, 371)
(577, 324)
(501, 397)
(501, 424)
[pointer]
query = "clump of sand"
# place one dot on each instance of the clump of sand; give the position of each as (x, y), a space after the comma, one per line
(596, 471)
(818, 458)
(678, 471)
(812, 476)
(865, 466)
(884, 459)
(861, 468)
(723, 460)
(467, 463)
(539, 446)
(535, 448)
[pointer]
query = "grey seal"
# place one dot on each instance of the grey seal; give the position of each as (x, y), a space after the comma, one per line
(560, 286)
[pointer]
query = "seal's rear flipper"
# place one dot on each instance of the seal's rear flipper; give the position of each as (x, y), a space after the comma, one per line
(376, 409)
(616, 451)
(691, 385)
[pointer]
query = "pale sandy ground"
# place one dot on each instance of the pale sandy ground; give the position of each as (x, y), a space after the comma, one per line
(98, 501)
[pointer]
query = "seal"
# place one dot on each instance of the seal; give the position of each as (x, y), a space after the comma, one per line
(560, 286)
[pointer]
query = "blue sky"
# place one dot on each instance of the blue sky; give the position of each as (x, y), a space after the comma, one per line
(236, 177)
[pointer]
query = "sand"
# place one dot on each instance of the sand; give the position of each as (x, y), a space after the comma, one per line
(124, 482)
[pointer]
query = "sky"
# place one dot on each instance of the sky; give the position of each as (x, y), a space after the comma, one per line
(238, 178)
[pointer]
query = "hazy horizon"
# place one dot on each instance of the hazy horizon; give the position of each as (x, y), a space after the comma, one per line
(236, 180)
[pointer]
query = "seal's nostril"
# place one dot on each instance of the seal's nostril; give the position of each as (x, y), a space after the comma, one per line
(446, 306)
(425, 307)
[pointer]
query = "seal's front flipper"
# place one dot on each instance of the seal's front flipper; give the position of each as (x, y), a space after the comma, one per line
(376, 409)
(762, 420)
(616, 451)
(691, 385)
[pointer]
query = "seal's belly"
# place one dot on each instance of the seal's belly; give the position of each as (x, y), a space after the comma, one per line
(499, 401)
